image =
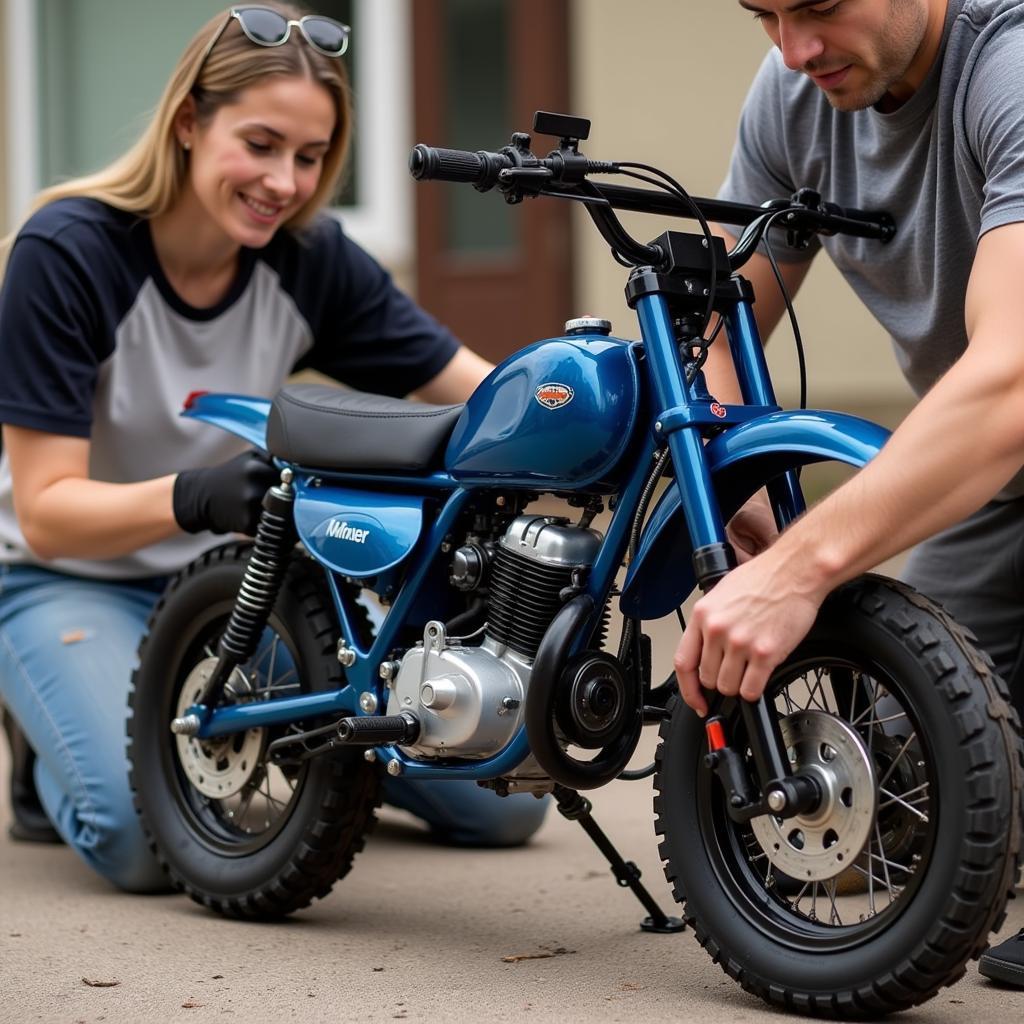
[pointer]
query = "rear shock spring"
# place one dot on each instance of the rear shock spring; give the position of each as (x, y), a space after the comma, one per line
(264, 574)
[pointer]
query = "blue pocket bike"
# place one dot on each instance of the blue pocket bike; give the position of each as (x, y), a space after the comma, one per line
(841, 847)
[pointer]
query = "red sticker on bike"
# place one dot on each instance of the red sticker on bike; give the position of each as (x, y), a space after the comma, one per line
(554, 396)
(718, 410)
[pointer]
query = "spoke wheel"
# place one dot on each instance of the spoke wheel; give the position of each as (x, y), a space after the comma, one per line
(879, 896)
(819, 845)
(237, 801)
(831, 874)
(243, 836)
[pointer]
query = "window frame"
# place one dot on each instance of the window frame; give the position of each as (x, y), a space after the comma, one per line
(21, 115)
(382, 220)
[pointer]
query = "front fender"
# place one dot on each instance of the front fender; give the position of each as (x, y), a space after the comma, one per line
(237, 414)
(740, 461)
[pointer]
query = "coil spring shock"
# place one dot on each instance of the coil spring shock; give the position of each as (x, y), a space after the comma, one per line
(261, 583)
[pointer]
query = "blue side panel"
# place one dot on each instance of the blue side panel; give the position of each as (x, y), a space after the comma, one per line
(237, 414)
(559, 414)
(741, 461)
(356, 533)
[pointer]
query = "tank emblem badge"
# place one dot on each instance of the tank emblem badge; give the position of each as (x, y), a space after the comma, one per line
(554, 396)
(718, 410)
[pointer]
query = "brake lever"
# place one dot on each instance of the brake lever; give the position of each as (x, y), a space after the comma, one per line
(532, 177)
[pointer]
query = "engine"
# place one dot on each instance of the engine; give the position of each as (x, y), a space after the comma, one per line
(469, 697)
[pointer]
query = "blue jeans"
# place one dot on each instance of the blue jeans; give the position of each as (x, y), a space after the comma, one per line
(67, 649)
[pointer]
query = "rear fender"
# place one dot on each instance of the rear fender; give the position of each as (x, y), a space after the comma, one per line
(237, 414)
(741, 461)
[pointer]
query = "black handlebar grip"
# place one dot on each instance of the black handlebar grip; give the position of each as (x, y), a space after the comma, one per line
(429, 164)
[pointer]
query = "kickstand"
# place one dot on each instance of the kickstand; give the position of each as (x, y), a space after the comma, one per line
(575, 807)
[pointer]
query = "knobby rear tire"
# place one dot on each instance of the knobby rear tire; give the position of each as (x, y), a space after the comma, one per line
(894, 962)
(332, 807)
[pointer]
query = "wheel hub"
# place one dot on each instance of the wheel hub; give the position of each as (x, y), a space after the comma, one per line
(220, 766)
(819, 845)
(594, 707)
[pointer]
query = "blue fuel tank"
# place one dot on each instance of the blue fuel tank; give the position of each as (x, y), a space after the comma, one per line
(559, 415)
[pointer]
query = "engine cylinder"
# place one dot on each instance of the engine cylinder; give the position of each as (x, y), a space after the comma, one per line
(535, 562)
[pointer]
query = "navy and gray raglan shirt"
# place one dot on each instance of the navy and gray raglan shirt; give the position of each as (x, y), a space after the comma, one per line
(948, 165)
(94, 343)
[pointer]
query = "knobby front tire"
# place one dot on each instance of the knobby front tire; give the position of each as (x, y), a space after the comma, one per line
(883, 898)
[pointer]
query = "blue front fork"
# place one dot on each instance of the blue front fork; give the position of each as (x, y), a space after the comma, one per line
(756, 387)
(682, 413)
(673, 400)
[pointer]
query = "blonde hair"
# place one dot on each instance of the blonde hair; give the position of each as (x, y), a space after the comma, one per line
(148, 179)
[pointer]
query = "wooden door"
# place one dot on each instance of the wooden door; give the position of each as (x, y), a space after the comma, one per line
(500, 276)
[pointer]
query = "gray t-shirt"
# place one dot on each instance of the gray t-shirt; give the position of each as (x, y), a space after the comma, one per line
(948, 165)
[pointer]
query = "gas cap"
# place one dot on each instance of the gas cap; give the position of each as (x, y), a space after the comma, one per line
(588, 325)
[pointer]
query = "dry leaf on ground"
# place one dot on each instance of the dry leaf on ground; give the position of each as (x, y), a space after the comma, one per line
(544, 954)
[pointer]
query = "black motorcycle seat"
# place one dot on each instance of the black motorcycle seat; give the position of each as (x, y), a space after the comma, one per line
(325, 427)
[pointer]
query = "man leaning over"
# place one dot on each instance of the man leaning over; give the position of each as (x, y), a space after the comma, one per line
(915, 107)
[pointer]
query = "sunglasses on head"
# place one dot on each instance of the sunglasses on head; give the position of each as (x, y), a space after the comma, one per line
(266, 27)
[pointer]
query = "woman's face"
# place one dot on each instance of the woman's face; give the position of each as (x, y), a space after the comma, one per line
(258, 160)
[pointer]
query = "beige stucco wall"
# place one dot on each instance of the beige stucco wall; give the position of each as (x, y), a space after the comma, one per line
(663, 82)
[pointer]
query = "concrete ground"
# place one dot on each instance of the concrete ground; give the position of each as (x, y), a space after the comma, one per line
(415, 932)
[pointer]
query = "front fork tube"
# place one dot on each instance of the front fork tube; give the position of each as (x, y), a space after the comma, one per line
(756, 388)
(781, 793)
(712, 554)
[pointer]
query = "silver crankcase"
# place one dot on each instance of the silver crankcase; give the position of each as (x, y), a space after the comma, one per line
(468, 699)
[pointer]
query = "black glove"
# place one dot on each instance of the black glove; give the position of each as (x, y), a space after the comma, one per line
(225, 498)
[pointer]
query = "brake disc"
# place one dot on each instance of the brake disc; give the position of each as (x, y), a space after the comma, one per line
(220, 766)
(818, 846)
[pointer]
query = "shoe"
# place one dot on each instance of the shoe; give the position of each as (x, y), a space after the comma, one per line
(1005, 962)
(31, 824)
(22, 831)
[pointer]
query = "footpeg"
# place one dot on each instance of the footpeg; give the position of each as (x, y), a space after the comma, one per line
(375, 731)
(353, 731)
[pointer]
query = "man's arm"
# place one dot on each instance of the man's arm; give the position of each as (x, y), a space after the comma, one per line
(954, 452)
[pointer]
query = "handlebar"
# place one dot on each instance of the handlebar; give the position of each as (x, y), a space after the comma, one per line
(565, 172)
(830, 216)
